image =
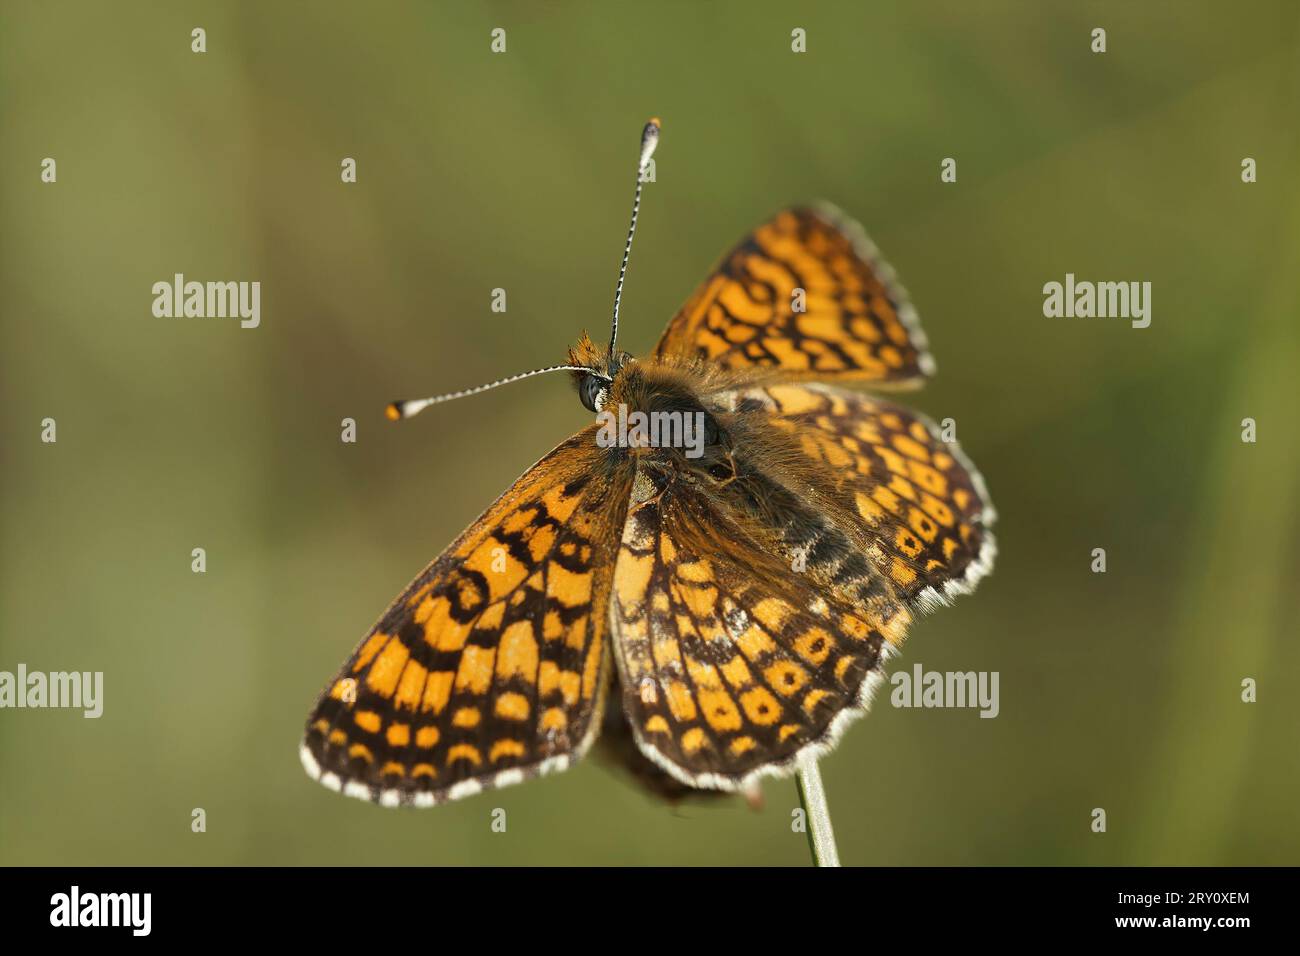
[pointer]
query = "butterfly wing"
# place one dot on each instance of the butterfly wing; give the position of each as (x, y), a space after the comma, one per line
(490, 667)
(808, 294)
(758, 594)
(731, 664)
(912, 502)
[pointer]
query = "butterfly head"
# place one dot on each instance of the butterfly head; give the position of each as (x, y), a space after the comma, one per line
(595, 370)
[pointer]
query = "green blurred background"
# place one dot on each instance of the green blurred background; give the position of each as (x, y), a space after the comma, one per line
(476, 171)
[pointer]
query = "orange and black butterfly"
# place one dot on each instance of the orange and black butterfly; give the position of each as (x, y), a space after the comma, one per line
(722, 603)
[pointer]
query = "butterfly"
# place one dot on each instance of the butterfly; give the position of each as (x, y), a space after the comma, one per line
(722, 603)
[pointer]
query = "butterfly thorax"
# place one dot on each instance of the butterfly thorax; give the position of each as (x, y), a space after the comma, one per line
(670, 410)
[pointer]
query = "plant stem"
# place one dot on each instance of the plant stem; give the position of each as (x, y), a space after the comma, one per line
(821, 836)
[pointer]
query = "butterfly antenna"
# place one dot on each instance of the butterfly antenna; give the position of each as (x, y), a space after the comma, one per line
(409, 407)
(649, 140)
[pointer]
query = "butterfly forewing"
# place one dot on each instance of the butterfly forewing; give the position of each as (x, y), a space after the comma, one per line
(490, 666)
(805, 293)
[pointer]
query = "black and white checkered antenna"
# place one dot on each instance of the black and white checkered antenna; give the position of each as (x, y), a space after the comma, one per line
(649, 140)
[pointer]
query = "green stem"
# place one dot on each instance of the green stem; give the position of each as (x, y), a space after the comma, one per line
(812, 795)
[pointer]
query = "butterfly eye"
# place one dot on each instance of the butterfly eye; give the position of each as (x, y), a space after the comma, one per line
(593, 391)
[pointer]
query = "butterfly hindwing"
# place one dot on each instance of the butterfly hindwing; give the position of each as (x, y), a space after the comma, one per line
(490, 666)
(806, 293)
(730, 664)
(883, 475)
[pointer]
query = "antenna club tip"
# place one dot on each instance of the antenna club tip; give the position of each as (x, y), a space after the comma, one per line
(649, 140)
(393, 412)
